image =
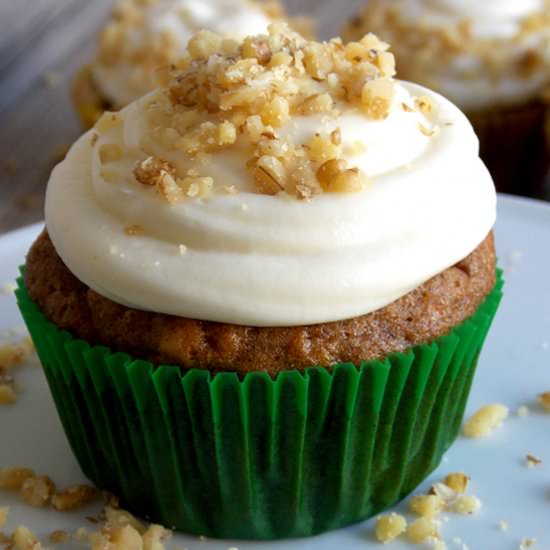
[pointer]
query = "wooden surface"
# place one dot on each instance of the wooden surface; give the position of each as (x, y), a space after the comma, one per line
(42, 45)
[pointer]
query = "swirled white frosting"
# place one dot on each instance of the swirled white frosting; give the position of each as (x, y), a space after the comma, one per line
(254, 259)
(496, 31)
(128, 79)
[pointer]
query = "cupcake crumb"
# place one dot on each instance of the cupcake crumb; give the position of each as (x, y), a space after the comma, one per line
(485, 420)
(527, 542)
(503, 525)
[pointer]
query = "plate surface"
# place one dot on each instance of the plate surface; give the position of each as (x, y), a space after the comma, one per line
(513, 369)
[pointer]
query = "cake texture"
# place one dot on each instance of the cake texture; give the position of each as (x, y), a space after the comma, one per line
(492, 60)
(263, 288)
(423, 315)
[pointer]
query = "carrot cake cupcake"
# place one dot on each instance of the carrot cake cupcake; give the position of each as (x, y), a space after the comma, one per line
(144, 38)
(492, 59)
(263, 288)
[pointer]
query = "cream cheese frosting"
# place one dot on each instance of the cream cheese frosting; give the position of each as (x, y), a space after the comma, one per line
(479, 54)
(241, 255)
(144, 36)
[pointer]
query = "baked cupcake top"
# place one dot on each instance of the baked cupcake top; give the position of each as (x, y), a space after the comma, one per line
(273, 182)
(478, 53)
(144, 36)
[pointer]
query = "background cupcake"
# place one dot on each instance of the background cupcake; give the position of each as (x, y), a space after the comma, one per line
(490, 58)
(307, 242)
(143, 38)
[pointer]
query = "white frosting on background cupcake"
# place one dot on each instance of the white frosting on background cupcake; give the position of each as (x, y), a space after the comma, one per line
(140, 37)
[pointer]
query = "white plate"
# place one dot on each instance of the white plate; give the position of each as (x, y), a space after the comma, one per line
(514, 368)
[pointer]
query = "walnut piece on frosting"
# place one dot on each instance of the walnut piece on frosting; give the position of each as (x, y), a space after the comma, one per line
(245, 99)
(228, 95)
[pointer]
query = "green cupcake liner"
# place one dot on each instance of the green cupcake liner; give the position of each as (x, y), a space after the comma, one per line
(260, 458)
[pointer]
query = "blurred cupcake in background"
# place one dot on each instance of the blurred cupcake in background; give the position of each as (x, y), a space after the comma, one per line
(492, 59)
(143, 37)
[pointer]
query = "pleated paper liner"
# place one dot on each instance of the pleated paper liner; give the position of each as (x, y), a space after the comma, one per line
(259, 458)
(515, 146)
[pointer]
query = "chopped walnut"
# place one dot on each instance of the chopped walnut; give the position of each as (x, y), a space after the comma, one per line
(527, 542)
(269, 175)
(485, 420)
(7, 394)
(195, 186)
(377, 96)
(421, 530)
(321, 149)
(427, 506)
(24, 539)
(12, 355)
(544, 400)
(466, 504)
(240, 94)
(150, 170)
(73, 497)
(444, 492)
(37, 491)
(532, 461)
(425, 104)
(12, 479)
(389, 527)
(59, 536)
(458, 482)
(428, 132)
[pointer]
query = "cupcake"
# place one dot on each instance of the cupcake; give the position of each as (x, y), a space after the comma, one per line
(143, 38)
(489, 58)
(263, 289)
